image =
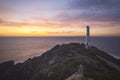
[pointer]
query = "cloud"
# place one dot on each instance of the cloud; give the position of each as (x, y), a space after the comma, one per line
(79, 4)
(71, 13)
(48, 24)
(63, 32)
(6, 11)
(92, 10)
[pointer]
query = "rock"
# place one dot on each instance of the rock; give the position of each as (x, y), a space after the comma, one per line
(6, 66)
(51, 62)
(64, 62)
(6, 70)
(78, 75)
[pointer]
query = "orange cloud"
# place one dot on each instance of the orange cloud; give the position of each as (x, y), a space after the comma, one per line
(54, 28)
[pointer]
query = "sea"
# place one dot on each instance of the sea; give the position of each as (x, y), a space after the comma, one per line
(20, 49)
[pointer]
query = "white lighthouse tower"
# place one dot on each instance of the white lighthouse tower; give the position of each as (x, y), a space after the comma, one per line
(88, 36)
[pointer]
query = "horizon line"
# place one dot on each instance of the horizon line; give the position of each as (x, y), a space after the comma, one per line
(59, 36)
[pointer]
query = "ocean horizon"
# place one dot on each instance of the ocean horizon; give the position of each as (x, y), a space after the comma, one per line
(20, 49)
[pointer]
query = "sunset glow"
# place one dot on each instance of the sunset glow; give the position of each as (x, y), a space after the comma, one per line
(59, 18)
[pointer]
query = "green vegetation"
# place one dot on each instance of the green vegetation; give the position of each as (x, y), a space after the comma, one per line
(104, 75)
(74, 61)
(66, 68)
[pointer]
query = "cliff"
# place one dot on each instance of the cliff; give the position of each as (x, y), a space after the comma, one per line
(64, 62)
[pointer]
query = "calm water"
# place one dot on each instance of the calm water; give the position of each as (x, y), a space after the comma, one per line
(22, 48)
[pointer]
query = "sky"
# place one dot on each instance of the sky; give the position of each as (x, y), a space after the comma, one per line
(59, 17)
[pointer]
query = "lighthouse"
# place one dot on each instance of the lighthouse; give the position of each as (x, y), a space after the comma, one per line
(88, 36)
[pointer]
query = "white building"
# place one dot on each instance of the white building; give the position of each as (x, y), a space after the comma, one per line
(88, 36)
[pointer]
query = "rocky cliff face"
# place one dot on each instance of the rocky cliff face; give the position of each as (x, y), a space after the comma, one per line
(63, 62)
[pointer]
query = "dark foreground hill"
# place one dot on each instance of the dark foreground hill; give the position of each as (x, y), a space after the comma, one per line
(64, 62)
